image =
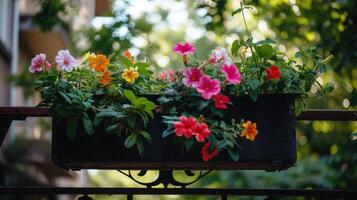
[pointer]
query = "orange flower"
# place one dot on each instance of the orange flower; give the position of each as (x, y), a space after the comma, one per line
(99, 62)
(106, 78)
(128, 55)
(250, 130)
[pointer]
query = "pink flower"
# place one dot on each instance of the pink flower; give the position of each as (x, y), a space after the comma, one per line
(65, 61)
(201, 131)
(162, 76)
(171, 75)
(184, 48)
(208, 87)
(38, 63)
(192, 76)
(220, 55)
(232, 73)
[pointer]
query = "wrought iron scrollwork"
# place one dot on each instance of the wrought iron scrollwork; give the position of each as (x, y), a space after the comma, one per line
(166, 177)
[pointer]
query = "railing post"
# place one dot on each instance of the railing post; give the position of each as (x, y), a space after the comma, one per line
(224, 197)
(129, 197)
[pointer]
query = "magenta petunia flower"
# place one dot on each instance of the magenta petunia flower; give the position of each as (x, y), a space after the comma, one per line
(65, 61)
(232, 73)
(208, 87)
(220, 56)
(38, 63)
(184, 48)
(192, 76)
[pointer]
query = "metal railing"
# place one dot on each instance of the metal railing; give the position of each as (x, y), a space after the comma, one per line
(9, 114)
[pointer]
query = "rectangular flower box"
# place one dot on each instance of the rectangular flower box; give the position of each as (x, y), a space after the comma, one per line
(273, 149)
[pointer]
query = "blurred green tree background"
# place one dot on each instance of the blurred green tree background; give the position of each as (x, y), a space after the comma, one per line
(327, 156)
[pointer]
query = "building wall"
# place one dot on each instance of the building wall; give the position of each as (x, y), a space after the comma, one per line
(4, 86)
(6, 22)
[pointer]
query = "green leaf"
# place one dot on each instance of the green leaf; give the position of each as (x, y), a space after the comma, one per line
(149, 108)
(266, 41)
(143, 104)
(308, 85)
(120, 115)
(329, 87)
(299, 106)
(219, 113)
(66, 98)
(71, 127)
(266, 51)
(107, 113)
(126, 106)
(163, 100)
(240, 10)
(140, 147)
(253, 84)
(170, 117)
(125, 61)
(87, 125)
(111, 128)
(131, 140)
(189, 144)
(130, 95)
(235, 47)
(253, 94)
(203, 105)
(142, 68)
(234, 154)
(100, 91)
(141, 64)
(97, 121)
(222, 144)
(146, 135)
(167, 132)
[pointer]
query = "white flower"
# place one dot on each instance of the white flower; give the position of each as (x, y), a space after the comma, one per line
(220, 56)
(65, 61)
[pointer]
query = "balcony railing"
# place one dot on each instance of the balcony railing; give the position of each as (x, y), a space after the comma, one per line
(9, 114)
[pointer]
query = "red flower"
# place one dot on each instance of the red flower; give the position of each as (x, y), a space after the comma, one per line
(273, 72)
(206, 154)
(185, 126)
(221, 101)
(201, 131)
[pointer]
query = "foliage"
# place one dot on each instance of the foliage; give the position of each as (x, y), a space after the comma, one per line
(49, 14)
(84, 95)
(108, 38)
(330, 26)
(195, 104)
(193, 91)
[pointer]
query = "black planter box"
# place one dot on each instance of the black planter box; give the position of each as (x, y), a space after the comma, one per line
(273, 149)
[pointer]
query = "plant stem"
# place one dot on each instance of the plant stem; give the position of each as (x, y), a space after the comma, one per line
(97, 109)
(249, 34)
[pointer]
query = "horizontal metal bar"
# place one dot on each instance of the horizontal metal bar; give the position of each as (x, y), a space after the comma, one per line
(328, 115)
(24, 111)
(178, 191)
(309, 114)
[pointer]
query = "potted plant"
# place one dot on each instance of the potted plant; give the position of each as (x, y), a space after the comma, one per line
(232, 111)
